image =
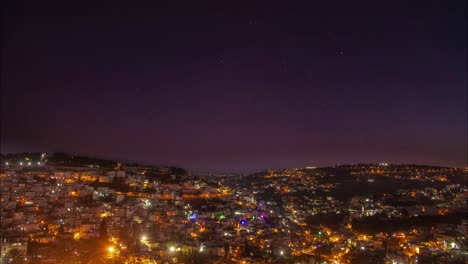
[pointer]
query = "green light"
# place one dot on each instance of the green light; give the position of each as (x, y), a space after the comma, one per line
(222, 217)
(319, 232)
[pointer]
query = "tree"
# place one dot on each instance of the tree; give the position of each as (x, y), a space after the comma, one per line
(136, 244)
(193, 257)
(154, 231)
(103, 229)
(61, 230)
(124, 235)
(226, 251)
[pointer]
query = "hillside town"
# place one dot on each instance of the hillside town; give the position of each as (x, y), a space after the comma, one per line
(58, 208)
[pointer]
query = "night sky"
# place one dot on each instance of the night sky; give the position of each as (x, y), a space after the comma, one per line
(239, 87)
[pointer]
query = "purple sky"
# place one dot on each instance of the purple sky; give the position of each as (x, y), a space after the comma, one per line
(239, 87)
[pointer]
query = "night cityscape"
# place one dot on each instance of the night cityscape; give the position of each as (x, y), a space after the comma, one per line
(159, 132)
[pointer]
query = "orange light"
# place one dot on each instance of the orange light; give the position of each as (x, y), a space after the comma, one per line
(111, 249)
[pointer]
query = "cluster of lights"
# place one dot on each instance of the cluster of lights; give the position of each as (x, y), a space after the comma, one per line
(147, 203)
(192, 217)
(242, 222)
(29, 163)
(173, 248)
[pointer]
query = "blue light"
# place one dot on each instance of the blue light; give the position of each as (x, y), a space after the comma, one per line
(243, 222)
(193, 217)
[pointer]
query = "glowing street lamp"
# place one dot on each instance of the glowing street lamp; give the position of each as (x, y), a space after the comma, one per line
(111, 249)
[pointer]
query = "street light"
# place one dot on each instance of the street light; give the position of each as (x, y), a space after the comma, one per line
(111, 249)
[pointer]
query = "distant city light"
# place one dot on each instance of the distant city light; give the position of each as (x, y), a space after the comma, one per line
(144, 238)
(29, 163)
(21, 163)
(243, 222)
(6, 163)
(172, 249)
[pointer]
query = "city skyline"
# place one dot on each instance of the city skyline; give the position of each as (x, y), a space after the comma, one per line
(32, 160)
(82, 210)
(238, 88)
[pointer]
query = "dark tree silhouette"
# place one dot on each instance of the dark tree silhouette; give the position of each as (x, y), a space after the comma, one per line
(103, 230)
